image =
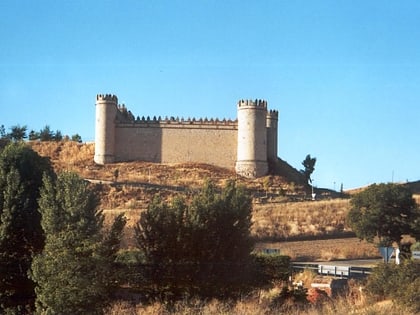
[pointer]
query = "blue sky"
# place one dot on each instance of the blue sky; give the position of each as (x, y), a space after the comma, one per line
(344, 75)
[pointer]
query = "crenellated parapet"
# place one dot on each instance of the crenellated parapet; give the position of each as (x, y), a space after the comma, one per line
(252, 103)
(183, 121)
(273, 114)
(125, 116)
(107, 97)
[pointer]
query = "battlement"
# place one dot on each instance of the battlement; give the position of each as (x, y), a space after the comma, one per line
(189, 121)
(107, 97)
(274, 114)
(252, 103)
(125, 116)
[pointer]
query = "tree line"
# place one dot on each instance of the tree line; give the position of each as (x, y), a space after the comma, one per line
(19, 133)
(55, 251)
(58, 257)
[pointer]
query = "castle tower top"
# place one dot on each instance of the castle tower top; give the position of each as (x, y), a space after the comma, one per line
(273, 114)
(107, 97)
(253, 103)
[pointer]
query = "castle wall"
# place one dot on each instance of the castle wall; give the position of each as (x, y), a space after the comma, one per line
(138, 142)
(272, 135)
(177, 142)
(246, 144)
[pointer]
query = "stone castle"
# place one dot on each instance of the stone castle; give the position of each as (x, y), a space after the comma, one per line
(247, 144)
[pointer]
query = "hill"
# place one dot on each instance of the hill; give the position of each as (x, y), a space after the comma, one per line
(282, 207)
(130, 186)
(68, 155)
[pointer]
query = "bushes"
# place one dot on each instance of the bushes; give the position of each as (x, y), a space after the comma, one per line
(401, 283)
(200, 247)
(270, 268)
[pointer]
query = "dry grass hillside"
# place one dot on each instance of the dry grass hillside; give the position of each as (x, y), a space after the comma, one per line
(144, 176)
(282, 211)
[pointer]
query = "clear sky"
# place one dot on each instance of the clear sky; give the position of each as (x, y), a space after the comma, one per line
(344, 75)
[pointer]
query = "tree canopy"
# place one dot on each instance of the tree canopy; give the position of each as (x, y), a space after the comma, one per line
(17, 133)
(73, 274)
(21, 236)
(383, 213)
(309, 167)
(201, 246)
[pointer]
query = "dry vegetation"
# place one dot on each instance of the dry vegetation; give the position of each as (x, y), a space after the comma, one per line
(283, 218)
(324, 250)
(282, 212)
(261, 304)
(308, 218)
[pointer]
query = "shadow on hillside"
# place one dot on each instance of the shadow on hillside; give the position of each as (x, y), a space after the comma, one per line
(414, 187)
(284, 169)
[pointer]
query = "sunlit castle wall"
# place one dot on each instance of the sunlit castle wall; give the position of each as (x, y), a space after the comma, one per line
(243, 143)
(106, 111)
(272, 135)
(175, 140)
(252, 138)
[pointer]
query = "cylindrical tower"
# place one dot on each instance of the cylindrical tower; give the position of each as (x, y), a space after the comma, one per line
(252, 138)
(272, 123)
(106, 112)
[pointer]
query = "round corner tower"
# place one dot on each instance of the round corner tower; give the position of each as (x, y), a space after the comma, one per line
(106, 111)
(252, 138)
(272, 126)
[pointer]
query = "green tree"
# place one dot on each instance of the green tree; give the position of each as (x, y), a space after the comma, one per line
(74, 272)
(415, 228)
(201, 247)
(309, 167)
(58, 136)
(2, 132)
(21, 236)
(77, 138)
(46, 134)
(17, 133)
(383, 213)
(33, 135)
(401, 283)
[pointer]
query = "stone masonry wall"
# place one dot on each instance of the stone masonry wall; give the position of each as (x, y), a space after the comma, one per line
(177, 142)
(245, 144)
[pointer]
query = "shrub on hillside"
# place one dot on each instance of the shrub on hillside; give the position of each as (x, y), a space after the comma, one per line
(401, 283)
(269, 268)
(200, 247)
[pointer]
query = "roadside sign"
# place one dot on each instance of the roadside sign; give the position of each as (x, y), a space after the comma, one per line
(386, 253)
(416, 254)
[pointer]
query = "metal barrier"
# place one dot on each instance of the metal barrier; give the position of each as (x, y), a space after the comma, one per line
(335, 271)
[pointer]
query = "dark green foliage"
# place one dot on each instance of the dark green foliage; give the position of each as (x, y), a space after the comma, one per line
(33, 135)
(415, 246)
(2, 132)
(21, 171)
(270, 268)
(400, 283)
(309, 167)
(46, 134)
(415, 228)
(74, 273)
(58, 136)
(17, 133)
(383, 213)
(77, 138)
(198, 248)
